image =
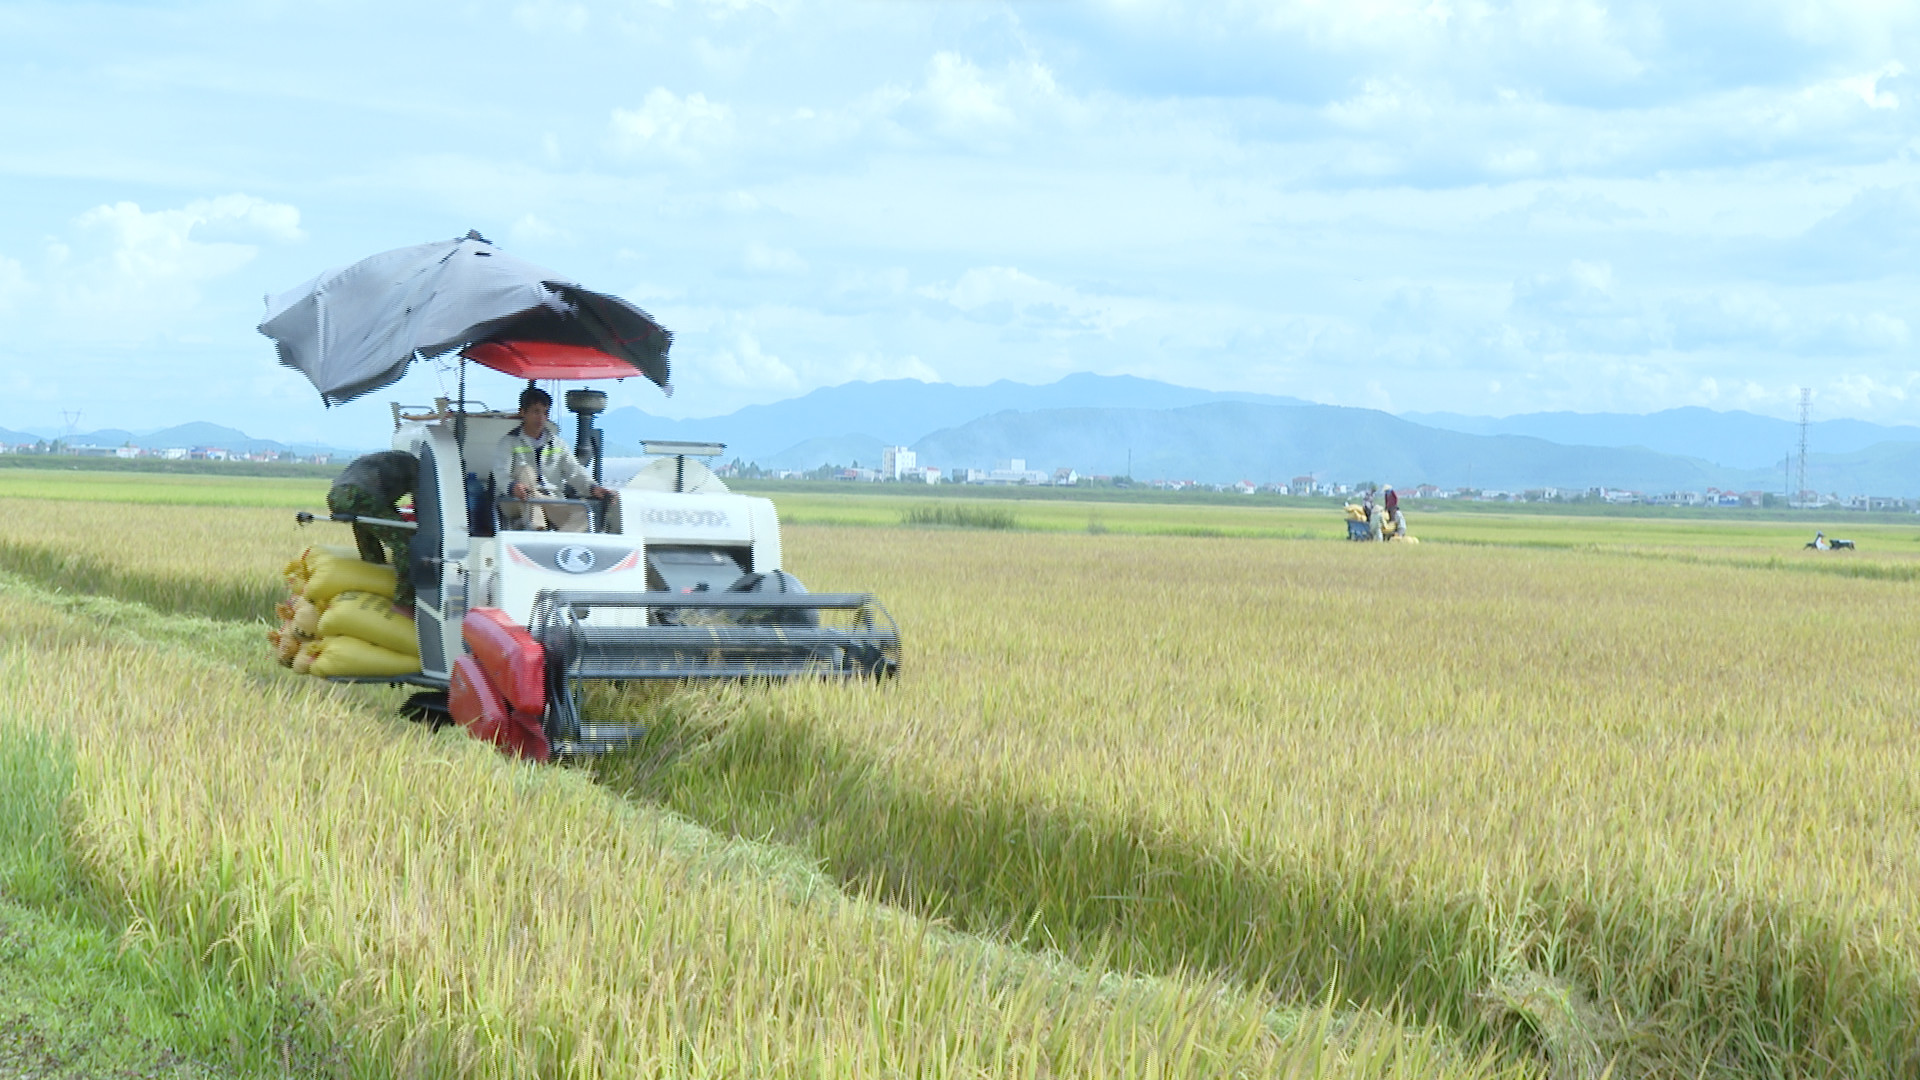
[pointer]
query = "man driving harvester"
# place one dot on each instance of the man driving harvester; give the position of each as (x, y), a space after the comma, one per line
(533, 463)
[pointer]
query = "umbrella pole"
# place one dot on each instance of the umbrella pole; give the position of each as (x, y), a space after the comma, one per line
(460, 423)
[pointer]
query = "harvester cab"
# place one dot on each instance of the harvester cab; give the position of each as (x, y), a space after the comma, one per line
(672, 576)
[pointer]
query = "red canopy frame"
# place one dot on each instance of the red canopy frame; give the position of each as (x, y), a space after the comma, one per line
(546, 360)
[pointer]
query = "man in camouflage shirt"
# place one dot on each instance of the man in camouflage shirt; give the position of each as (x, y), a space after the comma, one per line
(372, 486)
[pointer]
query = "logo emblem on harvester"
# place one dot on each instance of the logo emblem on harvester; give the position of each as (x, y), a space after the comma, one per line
(574, 559)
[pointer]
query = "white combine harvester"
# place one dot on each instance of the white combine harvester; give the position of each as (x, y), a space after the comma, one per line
(676, 577)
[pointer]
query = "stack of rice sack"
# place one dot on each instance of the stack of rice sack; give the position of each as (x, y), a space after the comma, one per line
(1356, 512)
(340, 618)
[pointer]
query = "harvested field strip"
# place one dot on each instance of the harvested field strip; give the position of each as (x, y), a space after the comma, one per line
(447, 912)
(59, 567)
(224, 564)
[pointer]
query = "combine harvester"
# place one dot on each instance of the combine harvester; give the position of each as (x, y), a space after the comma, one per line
(676, 577)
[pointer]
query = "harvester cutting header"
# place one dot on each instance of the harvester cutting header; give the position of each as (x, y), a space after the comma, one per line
(529, 579)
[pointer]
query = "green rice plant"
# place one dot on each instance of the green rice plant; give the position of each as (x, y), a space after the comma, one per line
(961, 516)
(449, 912)
(36, 772)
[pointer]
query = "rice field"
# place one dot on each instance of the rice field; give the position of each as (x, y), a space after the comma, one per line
(1581, 794)
(401, 904)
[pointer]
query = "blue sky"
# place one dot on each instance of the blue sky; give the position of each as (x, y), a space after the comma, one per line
(1431, 205)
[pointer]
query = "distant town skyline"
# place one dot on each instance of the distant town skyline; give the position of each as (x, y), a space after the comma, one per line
(1413, 206)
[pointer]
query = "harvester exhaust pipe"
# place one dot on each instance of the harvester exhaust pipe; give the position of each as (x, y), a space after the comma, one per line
(588, 441)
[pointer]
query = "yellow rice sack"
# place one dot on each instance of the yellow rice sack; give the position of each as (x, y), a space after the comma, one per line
(317, 555)
(286, 641)
(351, 656)
(283, 610)
(302, 663)
(306, 618)
(370, 618)
(335, 576)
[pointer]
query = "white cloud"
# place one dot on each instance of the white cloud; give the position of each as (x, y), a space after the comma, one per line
(744, 364)
(534, 229)
(132, 272)
(665, 122)
(1867, 86)
(965, 101)
(13, 284)
(1858, 392)
(763, 259)
(1003, 294)
(1779, 322)
(874, 367)
(961, 94)
(548, 15)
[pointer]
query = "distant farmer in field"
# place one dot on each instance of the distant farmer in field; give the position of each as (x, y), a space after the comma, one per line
(531, 462)
(1394, 515)
(372, 486)
(1373, 519)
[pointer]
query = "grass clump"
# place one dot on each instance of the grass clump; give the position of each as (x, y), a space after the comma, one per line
(961, 516)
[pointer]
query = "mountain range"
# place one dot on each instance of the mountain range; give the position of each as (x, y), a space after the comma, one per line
(197, 433)
(1098, 424)
(1110, 424)
(1737, 439)
(839, 424)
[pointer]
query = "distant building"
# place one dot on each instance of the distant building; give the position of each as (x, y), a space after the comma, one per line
(1065, 477)
(1015, 471)
(896, 462)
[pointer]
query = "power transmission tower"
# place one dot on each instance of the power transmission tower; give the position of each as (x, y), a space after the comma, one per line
(1806, 406)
